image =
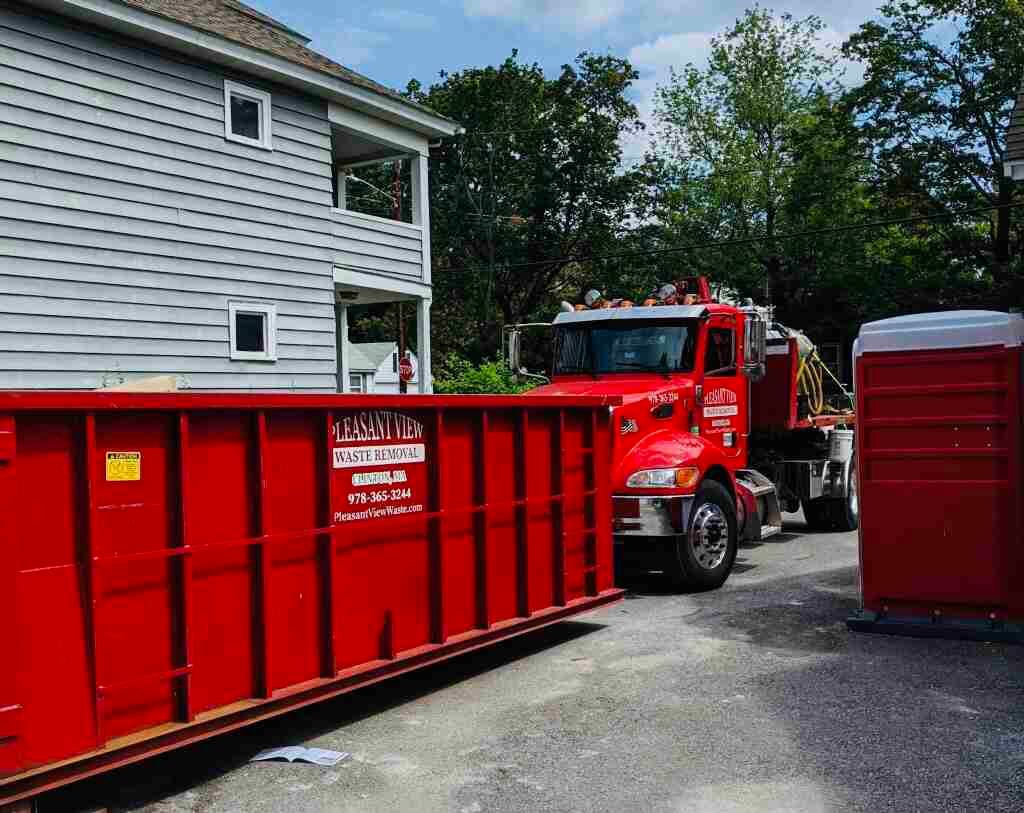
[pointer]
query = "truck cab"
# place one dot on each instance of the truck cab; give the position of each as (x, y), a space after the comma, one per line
(683, 493)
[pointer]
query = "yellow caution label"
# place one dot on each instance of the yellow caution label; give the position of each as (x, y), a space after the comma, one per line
(124, 466)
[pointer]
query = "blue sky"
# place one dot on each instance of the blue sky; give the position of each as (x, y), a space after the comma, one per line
(393, 41)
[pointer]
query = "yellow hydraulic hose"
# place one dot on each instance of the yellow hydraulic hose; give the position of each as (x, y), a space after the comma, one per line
(811, 382)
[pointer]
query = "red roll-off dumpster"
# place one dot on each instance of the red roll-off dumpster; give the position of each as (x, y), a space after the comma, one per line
(176, 566)
(940, 456)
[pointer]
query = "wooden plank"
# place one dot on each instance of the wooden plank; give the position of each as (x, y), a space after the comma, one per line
(82, 167)
(113, 366)
(226, 177)
(31, 268)
(44, 225)
(163, 137)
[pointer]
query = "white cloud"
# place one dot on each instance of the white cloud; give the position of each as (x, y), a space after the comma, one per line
(574, 15)
(404, 20)
(654, 61)
(349, 45)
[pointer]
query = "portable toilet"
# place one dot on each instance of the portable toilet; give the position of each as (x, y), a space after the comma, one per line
(939, 459)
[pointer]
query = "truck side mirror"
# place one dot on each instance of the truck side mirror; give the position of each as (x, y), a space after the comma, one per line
(513, 350)
(755, 340)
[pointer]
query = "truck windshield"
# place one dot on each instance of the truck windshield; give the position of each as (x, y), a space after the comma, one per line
(625, 347)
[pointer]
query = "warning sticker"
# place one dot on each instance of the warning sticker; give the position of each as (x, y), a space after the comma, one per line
(124, 466)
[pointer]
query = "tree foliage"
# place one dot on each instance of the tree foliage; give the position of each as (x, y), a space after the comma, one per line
(754, 145)
(941, 78)
(535, 179)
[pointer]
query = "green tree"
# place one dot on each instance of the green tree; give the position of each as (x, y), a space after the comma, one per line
(735, 137)
(941, 77)
(535, 179)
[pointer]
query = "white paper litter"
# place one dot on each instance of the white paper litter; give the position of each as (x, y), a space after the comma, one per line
(297, 753)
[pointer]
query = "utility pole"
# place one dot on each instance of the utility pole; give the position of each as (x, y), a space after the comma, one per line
(403, 387)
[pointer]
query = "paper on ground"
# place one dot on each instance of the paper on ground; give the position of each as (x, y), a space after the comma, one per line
(292, 753)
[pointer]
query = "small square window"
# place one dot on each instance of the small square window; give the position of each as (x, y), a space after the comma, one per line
(247, 117)
(253, 329)
(356, 383)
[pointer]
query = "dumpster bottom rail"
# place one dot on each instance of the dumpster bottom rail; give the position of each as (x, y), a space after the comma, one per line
(925, 627)
(142, 745)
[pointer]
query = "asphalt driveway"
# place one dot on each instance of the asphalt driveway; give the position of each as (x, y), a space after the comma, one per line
(751, 698)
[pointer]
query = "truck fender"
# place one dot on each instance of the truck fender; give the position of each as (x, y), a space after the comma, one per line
(665, 449)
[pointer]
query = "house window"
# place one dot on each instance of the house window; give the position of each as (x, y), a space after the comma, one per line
(357, 382)
(394, 362)
(253, 329)
(247, 115)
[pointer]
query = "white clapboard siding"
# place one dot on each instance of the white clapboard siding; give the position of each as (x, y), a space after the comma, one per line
(128, 222)
(374, 244)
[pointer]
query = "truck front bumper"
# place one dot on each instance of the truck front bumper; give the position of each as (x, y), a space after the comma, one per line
(645, 517)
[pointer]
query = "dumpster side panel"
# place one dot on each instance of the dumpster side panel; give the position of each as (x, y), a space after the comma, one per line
(223, 472)
(45, 516)
(936, 437)
(174, 568)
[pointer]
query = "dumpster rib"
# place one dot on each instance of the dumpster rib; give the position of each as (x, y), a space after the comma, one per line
(266, 688)
(92, 596)
(483, 611)
(185, 631)
(523, 512)
(559, 505)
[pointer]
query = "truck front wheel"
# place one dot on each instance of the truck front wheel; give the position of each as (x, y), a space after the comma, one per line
(702, 558)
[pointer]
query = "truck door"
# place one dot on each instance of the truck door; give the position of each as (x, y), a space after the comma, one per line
(723, 404)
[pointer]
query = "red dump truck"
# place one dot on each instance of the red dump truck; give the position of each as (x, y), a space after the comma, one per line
(176, 566)
(720, 427)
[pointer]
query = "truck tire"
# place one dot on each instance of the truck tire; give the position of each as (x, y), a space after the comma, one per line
(832, 514)
(818, 513)
(703, 557)
(846, 513)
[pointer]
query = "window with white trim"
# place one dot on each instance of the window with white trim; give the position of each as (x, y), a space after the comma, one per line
(356, 382)
(247, 115)
(253, 329)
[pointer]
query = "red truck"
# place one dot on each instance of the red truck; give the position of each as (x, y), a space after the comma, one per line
(713, 438)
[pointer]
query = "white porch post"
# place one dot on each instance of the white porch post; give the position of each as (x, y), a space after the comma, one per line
(421, 206)
(423, 344)
(342, 181)
(341, 345)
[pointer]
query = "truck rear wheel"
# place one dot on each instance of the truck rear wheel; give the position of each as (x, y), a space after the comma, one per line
(703, 557)
(835, 514)
(846, 513)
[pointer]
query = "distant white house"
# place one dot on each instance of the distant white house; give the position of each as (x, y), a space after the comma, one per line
(373, 368)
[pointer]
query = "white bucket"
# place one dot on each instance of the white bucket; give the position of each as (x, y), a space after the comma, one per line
(840, 445)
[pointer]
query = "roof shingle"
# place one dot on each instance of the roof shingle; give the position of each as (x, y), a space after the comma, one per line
(235, 21)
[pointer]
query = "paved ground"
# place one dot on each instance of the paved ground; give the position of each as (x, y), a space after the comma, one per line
(751, 698)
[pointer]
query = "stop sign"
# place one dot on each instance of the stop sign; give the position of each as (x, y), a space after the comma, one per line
(405, 369)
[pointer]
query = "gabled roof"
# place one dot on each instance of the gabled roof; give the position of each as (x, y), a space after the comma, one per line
(368, 356)
(1015, 135)
(256, 42)
(236, 21)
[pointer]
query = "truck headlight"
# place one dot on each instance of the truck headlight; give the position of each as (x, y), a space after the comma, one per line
(664, 478)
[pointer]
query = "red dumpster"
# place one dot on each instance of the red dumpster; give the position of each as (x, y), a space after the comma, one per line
(939, 453)
(175, 566)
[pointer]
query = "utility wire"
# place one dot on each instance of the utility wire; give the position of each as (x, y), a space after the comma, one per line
(850, 227)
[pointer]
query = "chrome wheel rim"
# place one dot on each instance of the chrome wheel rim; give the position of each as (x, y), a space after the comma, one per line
(854, 498)
(709, 536)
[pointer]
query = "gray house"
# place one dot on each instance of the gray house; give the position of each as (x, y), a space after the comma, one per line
(173, 198)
